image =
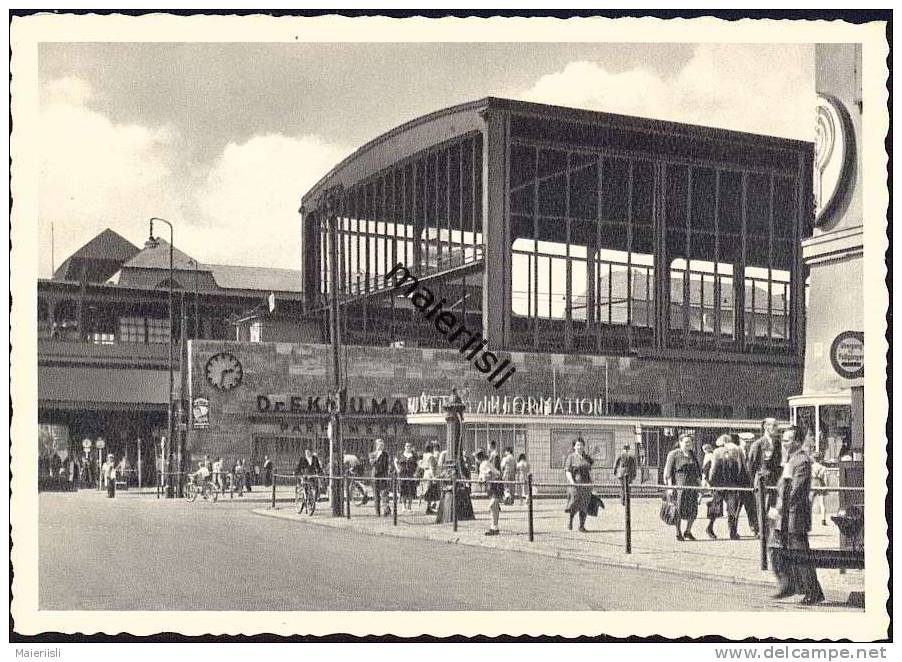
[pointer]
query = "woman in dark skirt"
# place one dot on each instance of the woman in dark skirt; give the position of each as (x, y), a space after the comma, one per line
(682, 468)
(406, 465)
(578, 469)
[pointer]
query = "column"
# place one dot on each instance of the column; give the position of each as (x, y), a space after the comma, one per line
(496, 292)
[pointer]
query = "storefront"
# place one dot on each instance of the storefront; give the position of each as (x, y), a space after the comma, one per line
(544, 428)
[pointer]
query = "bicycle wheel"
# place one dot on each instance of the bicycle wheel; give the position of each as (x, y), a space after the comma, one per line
(211, 492)
(190, 492)
(300, 498)
(358, 494)
(311, 500)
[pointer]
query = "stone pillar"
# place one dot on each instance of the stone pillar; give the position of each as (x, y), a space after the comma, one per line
(496, 291)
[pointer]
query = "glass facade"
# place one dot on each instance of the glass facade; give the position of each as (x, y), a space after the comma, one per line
(607, 235)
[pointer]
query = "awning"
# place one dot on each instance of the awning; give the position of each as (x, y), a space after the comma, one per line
(91, 386)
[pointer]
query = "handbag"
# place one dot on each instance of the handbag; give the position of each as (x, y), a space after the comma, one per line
(595, 504)
(714, 507)
(668, 513)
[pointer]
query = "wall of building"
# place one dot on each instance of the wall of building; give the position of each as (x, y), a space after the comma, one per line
(304, 370)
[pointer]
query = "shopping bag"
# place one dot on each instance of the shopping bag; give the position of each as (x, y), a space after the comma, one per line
(669, 514)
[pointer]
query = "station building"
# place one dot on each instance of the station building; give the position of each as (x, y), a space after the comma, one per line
(641, 277)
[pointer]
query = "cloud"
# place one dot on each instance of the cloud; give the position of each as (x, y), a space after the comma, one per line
(765, 89)
(95, 173)
(239, 209)
(251, 195)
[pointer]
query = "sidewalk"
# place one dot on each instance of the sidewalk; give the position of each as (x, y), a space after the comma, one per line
(654, 545)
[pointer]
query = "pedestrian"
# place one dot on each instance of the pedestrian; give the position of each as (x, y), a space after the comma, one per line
(432, 490)
(123, 470)
(379, 462)
(267, 471)
(764, 458)
(728, 469)
(625, 467)
(714, 502)
(238, 477)
(819, 479)
(681, 469)
(747, 499)
(218, 481)
(490, 477)
(509, 475)
(108, 470)
(578, 471)
(791, 517)
(494, 458)
(523, 471)
(406, 467)
(55, 464)
(309, 468)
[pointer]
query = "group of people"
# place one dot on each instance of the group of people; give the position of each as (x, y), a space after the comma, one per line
(503, 476)
(239, 477)
(785, 464)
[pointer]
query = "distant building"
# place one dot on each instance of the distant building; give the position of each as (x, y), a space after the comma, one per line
(103, 334)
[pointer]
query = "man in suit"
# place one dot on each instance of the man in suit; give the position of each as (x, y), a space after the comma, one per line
(728, 470)
(309, 465)
(765, 457)
(625, 465)
(792, 520)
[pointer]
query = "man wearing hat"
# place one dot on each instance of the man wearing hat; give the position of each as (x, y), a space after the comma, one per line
(728, 469)
(624, 466)
(109, 475)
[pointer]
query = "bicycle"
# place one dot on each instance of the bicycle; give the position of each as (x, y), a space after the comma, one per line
(305, 496)
(206, 490)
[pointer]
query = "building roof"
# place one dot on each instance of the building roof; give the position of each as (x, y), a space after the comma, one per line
(448, 123)
(266, 279)
(157, 257)
(104, 253)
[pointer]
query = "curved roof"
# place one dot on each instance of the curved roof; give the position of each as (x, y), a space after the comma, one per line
(422, 132)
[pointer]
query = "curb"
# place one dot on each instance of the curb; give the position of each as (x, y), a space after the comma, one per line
(392, 532)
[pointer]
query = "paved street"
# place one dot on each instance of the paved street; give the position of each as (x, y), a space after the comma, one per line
(138, 553)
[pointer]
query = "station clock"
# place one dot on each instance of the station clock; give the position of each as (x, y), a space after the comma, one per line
(224, 371)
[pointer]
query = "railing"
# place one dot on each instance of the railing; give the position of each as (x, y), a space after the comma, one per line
(390, 488)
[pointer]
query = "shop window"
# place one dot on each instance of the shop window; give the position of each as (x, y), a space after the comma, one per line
(132, 329)
(256, 331)
(835, 432)
(599, 446)
(477, 435)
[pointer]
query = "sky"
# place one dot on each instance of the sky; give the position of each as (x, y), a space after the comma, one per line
(224, 139)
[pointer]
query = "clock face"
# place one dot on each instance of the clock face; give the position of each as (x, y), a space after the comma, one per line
(224, 371)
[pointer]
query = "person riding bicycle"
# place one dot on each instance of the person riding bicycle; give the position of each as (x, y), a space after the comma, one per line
(202, 475)
(309, 465)
(351, 464)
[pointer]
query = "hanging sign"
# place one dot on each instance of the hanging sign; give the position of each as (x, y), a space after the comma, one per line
(200, 413)
(847, 354)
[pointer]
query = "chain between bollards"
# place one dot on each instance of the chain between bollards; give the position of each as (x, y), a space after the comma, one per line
(627, 514)
(529, 513)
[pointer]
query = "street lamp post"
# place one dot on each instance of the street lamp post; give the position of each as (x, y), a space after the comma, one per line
(196, 324)
(170, 423)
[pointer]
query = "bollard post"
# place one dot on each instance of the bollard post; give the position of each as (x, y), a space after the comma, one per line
(454, 497)
(377, 498)
(158, 484)
(273, 506)
(347, 484)
(761, 495)
(529, 519)
(394, 498)
(627, 513)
